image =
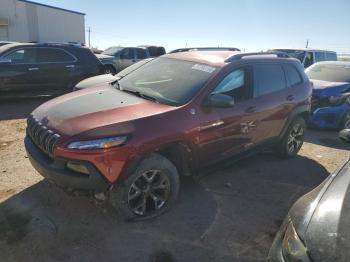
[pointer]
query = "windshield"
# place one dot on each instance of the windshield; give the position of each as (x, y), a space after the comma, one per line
(298, 54)
(169, 81)
(329, 72)
(112, 50)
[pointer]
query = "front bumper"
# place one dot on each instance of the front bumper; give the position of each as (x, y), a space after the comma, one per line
(56, 171)
(330, 117)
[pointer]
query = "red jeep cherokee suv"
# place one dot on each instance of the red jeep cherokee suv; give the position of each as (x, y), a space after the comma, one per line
(177, 113)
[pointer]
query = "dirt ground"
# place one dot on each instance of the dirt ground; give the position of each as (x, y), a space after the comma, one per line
(231, 212)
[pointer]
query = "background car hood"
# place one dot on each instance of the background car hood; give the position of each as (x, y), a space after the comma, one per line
(96, 81)
(104, 57)
(325, 88)
(322, 218)
(92, 108)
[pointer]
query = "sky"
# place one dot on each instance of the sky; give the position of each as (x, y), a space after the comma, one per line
(251, 25)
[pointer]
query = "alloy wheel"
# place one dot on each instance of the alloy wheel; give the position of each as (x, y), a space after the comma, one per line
(295, 138)
(149, 192)
(347, 121)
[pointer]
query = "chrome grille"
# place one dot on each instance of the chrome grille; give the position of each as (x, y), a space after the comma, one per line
(42, 137)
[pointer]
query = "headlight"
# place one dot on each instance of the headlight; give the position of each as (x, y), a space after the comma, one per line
(102, 143)
(293, 249)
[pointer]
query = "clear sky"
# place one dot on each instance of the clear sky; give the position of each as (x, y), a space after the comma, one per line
(251, 25)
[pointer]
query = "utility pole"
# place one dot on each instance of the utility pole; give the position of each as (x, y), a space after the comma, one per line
(89, 33)
(307, 43)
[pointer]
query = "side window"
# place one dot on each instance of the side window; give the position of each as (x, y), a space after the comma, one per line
(235, 84)
(309, 59)
(127, 53)
(292, 74)
(141, 53)
(53, 55)
(268, 78)
(22, 56)
(331, 56)
(319, 56)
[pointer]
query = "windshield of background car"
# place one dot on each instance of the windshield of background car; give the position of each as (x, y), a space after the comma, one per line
(112, 51)
(331, 73)
(169, 81)
(298, 54)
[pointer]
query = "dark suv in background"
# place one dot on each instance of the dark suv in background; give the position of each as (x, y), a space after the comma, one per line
(173, 115)
(44, 69)
(117, 58)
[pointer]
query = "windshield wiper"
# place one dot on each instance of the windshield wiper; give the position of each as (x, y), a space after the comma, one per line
(139, 94)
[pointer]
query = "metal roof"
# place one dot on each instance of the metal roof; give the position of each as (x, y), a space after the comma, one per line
(50, 6)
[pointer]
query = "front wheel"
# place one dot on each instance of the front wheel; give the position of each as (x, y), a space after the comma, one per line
(293, 139)
(149, 191)
(109, 69)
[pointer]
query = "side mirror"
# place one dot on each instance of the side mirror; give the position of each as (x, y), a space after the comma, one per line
(5, 61)
(344, 135)
(220, 100)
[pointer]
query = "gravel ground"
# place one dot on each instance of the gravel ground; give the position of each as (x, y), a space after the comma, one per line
(230, 212)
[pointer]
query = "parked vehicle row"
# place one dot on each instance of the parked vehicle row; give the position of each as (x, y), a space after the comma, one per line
(44, 69)
(117, 58)
(307, 57)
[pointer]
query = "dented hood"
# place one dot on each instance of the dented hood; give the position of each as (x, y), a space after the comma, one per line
(93, 108)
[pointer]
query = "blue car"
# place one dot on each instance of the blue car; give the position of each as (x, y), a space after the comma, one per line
(330, 108)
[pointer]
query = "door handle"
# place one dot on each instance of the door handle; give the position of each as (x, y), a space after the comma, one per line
(70, 66)
(251, 109)
(290, 98)
(33, 68)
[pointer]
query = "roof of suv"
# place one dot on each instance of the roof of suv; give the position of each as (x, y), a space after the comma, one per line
(221, 58)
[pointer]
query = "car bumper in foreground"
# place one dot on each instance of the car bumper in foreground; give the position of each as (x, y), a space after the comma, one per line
(56, 170)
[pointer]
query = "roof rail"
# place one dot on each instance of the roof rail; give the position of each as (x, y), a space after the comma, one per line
(240, 56)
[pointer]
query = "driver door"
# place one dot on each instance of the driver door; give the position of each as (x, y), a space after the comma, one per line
(228, 131)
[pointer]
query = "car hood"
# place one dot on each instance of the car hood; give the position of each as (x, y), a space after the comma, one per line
(322, 218)
(325, 88)
(104, 57)
(96, 81)
(94, 108)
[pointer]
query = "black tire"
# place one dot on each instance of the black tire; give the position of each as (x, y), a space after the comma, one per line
(346, 121)
(109, 69)
(154, 178)
(293, 139)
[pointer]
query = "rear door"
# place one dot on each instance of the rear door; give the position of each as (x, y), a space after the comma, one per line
(127, 57)
(272, 101)
(141, 54)
(56, 67)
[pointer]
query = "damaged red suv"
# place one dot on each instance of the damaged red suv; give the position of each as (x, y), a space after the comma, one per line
(132, 139)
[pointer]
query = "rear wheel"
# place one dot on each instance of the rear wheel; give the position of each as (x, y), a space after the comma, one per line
(149, 191)
(293, 139)
(346, 122)
(109, 69)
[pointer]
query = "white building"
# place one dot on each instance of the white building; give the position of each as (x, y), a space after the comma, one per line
(27, 21)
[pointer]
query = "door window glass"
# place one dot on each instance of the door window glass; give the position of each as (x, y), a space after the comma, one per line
(319, 56)
(127, 53)
(22, 56)
(268, 79)
(53, 55)
(234, 85)
(331, 56)
(141, 53)
(292, 75)
(309, 59)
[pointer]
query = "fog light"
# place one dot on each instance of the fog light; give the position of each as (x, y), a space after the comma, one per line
(78, 168)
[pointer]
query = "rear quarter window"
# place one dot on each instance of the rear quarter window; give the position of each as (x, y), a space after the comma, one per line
(268, 78)
(292, 74)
